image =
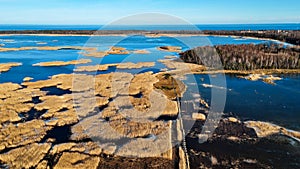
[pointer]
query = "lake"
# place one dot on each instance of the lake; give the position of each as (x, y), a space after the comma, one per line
(253, 100)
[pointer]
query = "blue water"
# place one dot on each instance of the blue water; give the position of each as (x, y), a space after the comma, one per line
(246, 99)
(277, 26)
(30, 57)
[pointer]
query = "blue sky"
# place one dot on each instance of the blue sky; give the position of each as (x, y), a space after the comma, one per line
(106, 11)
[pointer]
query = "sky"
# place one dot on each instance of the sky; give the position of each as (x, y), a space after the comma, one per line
(99, 12)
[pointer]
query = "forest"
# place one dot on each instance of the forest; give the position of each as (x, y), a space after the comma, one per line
(290, 36)
(244, 57)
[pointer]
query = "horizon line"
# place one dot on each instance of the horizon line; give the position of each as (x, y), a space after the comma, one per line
(258, 23)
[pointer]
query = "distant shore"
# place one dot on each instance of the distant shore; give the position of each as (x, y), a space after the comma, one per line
(291, 37)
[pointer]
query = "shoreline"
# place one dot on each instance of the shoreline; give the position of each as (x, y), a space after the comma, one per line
(270, 35)
(145, 34)
(247, 72)
(162, 35)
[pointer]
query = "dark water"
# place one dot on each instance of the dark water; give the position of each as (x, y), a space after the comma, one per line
(256, 100)
(285, 26)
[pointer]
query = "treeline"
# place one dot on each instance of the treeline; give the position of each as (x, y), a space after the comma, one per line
(244, 57)
(290, 36)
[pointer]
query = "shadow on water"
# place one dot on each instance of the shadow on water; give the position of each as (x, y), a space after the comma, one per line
(277, 150)
(266, 151)
(59, 134)
(36, 100)
(32, 114)
(55, 91)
